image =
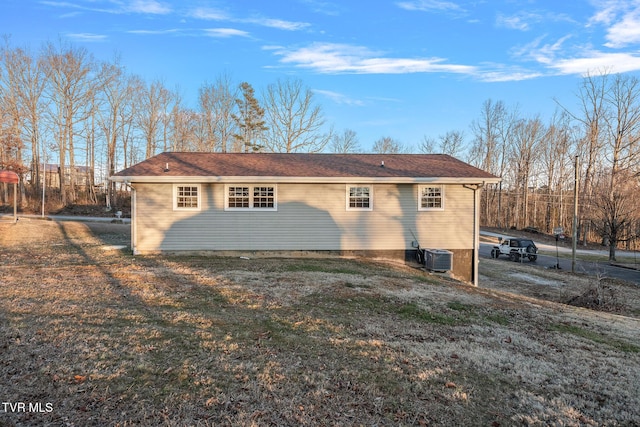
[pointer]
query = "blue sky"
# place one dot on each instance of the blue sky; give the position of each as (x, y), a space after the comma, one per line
(405, 68)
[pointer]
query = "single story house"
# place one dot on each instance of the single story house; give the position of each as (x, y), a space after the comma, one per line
(360, 204)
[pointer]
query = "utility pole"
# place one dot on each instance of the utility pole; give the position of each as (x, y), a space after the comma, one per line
(574, 235)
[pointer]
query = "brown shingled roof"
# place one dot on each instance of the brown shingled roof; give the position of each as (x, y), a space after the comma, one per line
(302, 165)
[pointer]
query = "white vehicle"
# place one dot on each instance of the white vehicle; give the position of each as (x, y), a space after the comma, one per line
(516, 249)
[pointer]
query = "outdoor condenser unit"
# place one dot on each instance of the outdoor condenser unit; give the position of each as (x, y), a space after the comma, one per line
(438, 260)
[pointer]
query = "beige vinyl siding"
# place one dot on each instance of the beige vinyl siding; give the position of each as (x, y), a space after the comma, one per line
(452, 227)
(308, 217)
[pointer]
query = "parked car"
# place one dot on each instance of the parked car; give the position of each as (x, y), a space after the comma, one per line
(517, 249)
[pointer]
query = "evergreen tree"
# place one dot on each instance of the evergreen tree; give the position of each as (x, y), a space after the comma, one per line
(250, 120)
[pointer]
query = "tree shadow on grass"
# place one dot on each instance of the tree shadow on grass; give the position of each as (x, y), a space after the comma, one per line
(90, 330)
(112, 338)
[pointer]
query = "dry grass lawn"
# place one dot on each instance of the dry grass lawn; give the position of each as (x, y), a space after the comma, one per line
(92, 336)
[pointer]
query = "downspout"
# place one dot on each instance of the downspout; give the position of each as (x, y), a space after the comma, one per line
(476, 230)
(133, 217)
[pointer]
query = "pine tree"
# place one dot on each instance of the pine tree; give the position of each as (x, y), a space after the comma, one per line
(250, 120)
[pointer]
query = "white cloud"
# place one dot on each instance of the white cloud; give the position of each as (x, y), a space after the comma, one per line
(154, 32)
(598, 61)
(341, 58)
(621, 19)
(60, 4)
(324, 7)
(149, 7)
(525, 20)
(557, 58)
(607, 11)
(625, 31)
(504, 74)
(541, 53)
(226, 32)
(69, 5)
(208, 14)
(338, 58)
(152, 7)
(87, 37)
(339, 98)
(516, 22)
(279, 24)
(430, 6)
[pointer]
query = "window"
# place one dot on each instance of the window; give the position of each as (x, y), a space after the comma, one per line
(251, 197)
(359, 198)
(431, 197)
(238, 197)
(186, 197)
(263, 197)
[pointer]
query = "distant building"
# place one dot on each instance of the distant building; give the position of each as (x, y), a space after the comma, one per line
(52, 175)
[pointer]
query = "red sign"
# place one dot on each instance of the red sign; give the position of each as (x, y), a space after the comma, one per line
(9, 177)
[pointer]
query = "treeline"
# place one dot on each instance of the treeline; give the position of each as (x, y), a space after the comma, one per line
(537, 162)
(64, 107)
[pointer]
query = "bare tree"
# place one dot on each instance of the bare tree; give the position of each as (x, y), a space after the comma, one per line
(115, 115)
(10, 141)
(485, 150)
(527, 137)
(346, 142)
(206, 102)
(489, 151)
(152, 114)
(184, 122)
(623, 124)
(72, 88)
(217, 103)
(556, 160)
(25, 77)
(623, 143)
(591, 118)
(451, 143)
(610, 120)
(295, 122)
(11, 145)
(592, 97)
(617, 209)
(388, 145)
(428, 145)
(128, 113)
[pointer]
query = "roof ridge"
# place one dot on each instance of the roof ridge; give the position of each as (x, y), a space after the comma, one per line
(390, 166)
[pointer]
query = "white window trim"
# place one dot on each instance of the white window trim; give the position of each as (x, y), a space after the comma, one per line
(348, 197)
(251, 187)
(175, 197)
(442, 197)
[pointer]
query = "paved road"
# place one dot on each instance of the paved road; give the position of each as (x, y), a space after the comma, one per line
(68, 218)
(587, 267)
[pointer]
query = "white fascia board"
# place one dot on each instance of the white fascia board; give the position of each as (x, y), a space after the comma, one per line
(301, 180)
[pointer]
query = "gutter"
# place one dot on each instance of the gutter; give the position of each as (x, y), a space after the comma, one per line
(300, 180)
(133, 215)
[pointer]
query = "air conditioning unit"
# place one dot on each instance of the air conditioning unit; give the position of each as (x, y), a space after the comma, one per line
(438, 260)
